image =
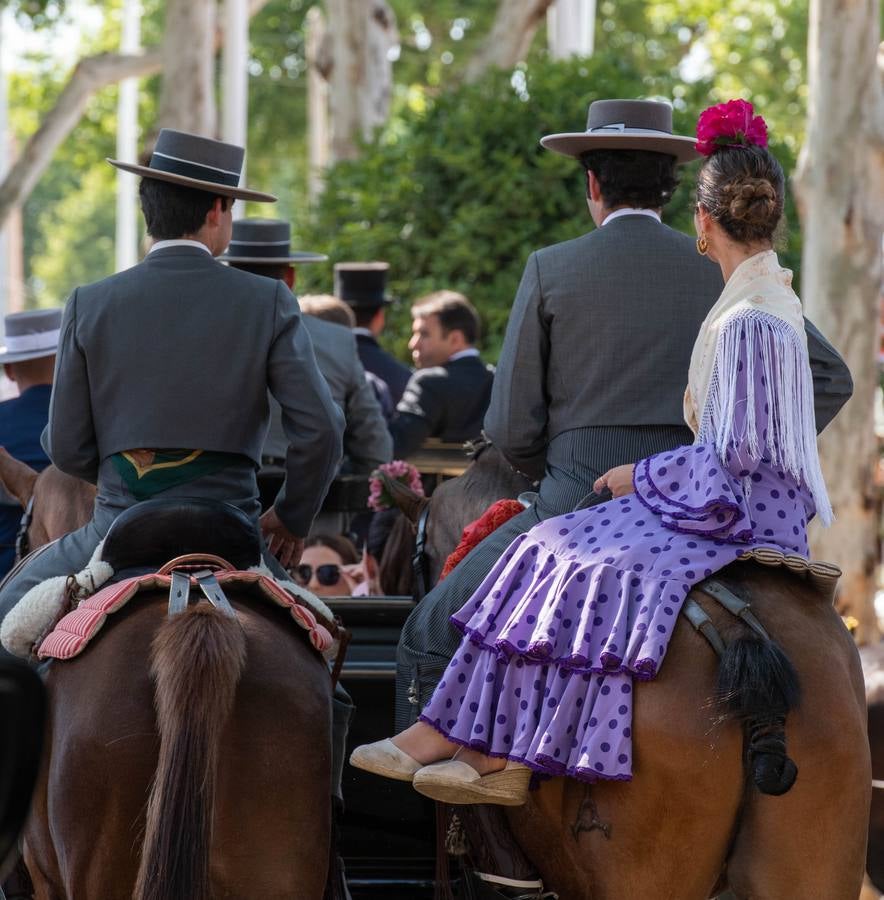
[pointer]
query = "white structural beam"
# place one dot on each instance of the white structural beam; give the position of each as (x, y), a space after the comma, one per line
(235, 80)
(127, 144)
(570, 26)
(4, 168)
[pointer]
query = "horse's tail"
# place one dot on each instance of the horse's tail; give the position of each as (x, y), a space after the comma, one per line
(197, 660)
(758, 686)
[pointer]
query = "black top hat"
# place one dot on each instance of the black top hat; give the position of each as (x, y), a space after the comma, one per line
(362, 283)
(257, 241)
(30, 335)
(196, 162)
(626, 125)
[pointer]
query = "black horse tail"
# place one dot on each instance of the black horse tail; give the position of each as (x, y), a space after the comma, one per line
(758, 686)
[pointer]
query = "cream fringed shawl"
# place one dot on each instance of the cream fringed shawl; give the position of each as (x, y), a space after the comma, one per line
(759, 289)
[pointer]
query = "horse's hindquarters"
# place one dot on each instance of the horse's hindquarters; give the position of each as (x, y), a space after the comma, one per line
(272, 796)
(274, 788)
(811, 841)
(666, 832)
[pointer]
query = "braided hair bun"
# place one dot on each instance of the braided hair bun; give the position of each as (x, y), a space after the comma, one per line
(743, 189)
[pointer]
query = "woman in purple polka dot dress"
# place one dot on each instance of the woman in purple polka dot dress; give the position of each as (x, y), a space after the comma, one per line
(583, 606)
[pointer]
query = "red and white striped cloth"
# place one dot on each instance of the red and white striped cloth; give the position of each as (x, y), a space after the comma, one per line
(74, 631)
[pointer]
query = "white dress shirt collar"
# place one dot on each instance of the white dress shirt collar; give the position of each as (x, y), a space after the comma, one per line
(181, 242)
(629, 211)
(365, 332)
(463, 354)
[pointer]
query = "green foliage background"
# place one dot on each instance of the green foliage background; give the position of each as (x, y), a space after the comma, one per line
(455, 191)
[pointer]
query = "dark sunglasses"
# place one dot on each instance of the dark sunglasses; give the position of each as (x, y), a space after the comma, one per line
(326, 575)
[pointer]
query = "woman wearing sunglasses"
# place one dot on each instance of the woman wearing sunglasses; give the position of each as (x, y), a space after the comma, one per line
(324, 565)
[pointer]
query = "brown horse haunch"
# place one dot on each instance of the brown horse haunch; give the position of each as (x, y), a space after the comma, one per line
(690, 824)
(222, 792)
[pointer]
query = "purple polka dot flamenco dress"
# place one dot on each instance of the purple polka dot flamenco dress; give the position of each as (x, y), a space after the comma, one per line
(583, 605)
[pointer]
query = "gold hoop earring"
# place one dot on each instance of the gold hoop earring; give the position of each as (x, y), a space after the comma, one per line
(702, 245)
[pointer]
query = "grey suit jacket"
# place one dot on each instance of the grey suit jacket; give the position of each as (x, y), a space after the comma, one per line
(367, 442)
(600, 335)
(179, 352)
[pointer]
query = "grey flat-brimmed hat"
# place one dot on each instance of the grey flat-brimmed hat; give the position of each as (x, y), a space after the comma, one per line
(362, 283)
(30, 335)
(268, 241)
(625, 125)
(197, 162)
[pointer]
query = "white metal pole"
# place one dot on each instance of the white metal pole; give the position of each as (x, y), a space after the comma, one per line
(235, 80)
(127, 144)
(570, 26)
(5, 273)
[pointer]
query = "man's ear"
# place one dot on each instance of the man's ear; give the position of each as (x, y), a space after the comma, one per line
(592, 187)
(213, 216)
(289, 277)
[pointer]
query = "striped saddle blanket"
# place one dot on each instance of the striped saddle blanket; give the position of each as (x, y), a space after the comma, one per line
(73, 631)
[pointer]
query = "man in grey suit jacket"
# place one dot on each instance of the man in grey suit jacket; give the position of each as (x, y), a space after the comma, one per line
(263, 247)
(170, 362)
(595, 359)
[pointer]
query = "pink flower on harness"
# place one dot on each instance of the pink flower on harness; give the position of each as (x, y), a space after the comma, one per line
(398, 470)
(731, 124)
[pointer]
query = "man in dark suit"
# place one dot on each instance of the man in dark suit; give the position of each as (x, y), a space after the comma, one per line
(447, 396)
(163, 371)
(263, 247)
(28, 359)
(362, 286)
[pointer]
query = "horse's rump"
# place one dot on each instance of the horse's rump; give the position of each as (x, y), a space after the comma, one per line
(271, 812)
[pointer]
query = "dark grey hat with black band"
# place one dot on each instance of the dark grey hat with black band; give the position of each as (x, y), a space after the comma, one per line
(626, 125)
(197, 162)
(362, 284)
(265, 241)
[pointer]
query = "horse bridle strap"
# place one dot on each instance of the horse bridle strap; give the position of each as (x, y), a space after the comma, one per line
(22, 541)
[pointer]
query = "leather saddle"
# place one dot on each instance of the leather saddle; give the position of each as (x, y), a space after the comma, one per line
(154, 531)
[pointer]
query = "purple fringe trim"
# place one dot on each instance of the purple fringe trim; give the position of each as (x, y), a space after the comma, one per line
(645, 669)
(552, 769)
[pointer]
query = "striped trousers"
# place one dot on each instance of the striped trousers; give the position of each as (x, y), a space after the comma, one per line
(575, 459)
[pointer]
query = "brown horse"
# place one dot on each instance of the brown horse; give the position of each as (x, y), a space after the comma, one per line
(222, 792)
(692, 823)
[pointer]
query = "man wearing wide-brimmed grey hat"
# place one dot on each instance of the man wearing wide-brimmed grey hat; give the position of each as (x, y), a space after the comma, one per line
(263, 246)
(163, 371)
(28, 359)
(595, 358)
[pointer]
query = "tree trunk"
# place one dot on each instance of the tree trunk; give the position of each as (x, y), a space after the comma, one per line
(90, 75)
(840, 184)
(361, 78)
(187, 100)
(510, 37)
(317, 51)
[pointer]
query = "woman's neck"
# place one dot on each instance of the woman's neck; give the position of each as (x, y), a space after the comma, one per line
(731, 255)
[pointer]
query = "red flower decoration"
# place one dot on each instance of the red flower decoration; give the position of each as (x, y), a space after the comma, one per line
(731, 124)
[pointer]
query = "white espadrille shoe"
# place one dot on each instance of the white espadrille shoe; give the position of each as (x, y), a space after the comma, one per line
(456, 782)
(386, 759)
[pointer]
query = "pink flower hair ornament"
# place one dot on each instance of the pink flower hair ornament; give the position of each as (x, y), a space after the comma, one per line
(379, 497)
(731, 124)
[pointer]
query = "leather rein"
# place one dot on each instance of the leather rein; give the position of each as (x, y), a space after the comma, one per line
(22, 540)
